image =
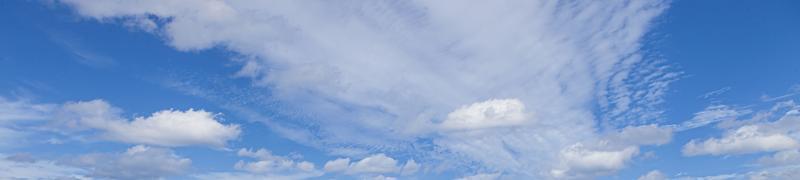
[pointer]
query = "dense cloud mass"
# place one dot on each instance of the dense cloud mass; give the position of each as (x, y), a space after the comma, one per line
(511, 85)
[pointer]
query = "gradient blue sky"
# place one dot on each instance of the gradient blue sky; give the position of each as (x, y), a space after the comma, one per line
(419, 82)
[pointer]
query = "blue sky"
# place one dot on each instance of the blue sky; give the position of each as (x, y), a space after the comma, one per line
(399, 90)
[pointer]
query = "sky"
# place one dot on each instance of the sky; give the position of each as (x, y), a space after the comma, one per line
(512, 89)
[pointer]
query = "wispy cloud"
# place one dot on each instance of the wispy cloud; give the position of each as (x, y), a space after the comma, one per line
(394, 70)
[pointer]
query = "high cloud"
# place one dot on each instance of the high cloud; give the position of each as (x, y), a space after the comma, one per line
(164, 128)
(384, 74)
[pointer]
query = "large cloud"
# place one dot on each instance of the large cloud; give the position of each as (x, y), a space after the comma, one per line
(164, 128)
(395, 70)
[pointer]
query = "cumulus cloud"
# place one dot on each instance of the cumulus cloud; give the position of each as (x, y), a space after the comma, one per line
(481, 176)
(164, 128)
(411, 167)
(747, 139)
(265, 166)
(393, 70)
(379, 164)
(487, 114)
(267, 163)
(138, 162)
(653, 175)
(579, 161)
(337, 165)
(788, 157)
(753, 136)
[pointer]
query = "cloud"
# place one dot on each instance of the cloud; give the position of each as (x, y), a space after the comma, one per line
(653, 175)
(411, 167)
(169, 128)
(376, 164)
(481, 177)
(337, 165)
(22, 110)
(788, 157)
(747, 139)
(266, 166)
(382, 74)
(711, 114)
(756, 135)
(15, 168)
(138, 162)
(641, 135)
(579, 161)
(487, 114)
(267, 163)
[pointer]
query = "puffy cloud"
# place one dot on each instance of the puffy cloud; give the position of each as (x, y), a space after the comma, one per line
(382, 74)
(269, 165)
(747, 139)
(378, 163)
(251, 176)
(487, 114)
(337, 165)
(411, 167)
(164, 128)
(374, 164)
(580, 161)
(265, 166)
(15, 168)
(138, 162)
(481, 176)
(653, 175)
(788, 157)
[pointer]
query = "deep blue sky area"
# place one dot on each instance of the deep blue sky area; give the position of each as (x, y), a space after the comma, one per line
(738, 63)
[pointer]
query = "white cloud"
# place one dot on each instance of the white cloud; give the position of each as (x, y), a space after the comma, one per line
(579, 161)
(481, 176)
(487, 114)
(265, 166)
(267, 163)
(411, 167)
(711, 114)
(378, 163)
(164, 128)
(641, 135)
(788, 157)
(138, 162)
(747, 139)
(37, 169)
(337, 165)
(251, 176)
(21, 110)
(381, 74)
(653, 175)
